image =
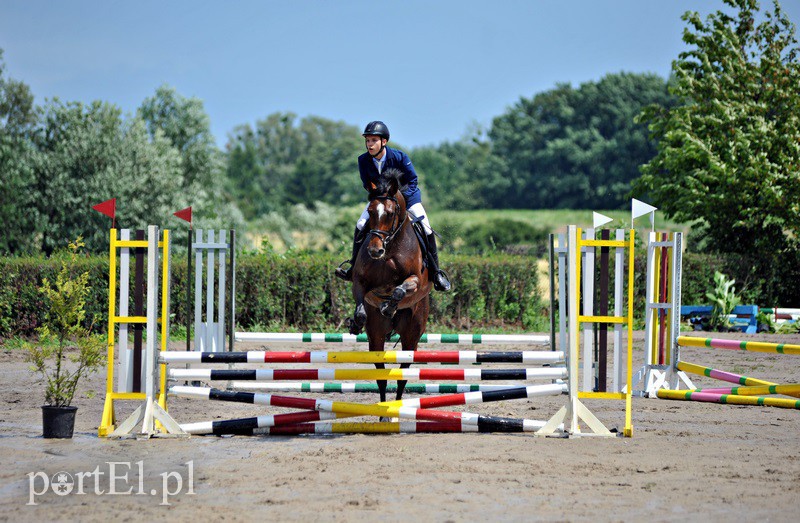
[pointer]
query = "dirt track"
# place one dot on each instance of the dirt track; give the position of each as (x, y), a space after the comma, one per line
(692, 461)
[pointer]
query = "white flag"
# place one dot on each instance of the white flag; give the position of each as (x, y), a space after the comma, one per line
(600, 219)
(640, 208)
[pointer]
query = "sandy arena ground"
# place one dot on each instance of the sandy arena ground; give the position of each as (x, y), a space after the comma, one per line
(687, 461)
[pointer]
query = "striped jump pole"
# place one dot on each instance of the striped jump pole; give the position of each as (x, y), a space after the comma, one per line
(413, 408)
(720, 374)
(462, 339)
(244, 426)
(728, 398)
(461, 357)
(366, 374)
(265, 425)
(416, 409)
(788, 390)
(413, 388)
(448, 400)
(753, 346)
(726, 376)
(403, 427)
(729, 377)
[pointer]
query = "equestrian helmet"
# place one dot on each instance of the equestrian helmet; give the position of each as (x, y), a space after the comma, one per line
(376, 128)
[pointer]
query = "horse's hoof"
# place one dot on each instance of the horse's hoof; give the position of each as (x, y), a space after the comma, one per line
(360, 315)
(353, 327)
(388, 309)
(398, 294)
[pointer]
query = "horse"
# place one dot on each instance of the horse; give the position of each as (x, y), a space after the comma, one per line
(391, 285)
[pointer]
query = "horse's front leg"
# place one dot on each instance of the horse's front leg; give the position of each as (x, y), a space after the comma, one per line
(409, 286)
(359, 319)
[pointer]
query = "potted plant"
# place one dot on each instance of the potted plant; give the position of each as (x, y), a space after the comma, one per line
(724, 300)
(67, 350)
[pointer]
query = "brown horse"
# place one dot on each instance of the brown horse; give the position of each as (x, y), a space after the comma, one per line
(390, 282)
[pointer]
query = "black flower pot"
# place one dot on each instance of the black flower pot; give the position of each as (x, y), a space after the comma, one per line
(58, 422)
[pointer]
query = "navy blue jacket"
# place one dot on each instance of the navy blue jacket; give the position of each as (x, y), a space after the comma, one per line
(397, 160)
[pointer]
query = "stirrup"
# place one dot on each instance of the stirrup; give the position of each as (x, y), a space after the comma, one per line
(345, 274)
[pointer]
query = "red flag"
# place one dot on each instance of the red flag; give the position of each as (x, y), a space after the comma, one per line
(185, 214)
(109, 208)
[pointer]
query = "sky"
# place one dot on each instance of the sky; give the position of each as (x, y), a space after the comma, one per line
(432, 70)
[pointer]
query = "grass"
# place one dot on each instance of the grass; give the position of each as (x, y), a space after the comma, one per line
(556, 220)
(309, 234)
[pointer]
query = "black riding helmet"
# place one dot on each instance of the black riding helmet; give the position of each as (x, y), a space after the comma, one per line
(376, 128)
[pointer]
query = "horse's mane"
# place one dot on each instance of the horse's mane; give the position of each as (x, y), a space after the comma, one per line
(385, 180)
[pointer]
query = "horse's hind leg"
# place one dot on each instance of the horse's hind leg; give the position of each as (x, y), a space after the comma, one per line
(411, 324)
(377, 327)
(401, 384)
(381, 383)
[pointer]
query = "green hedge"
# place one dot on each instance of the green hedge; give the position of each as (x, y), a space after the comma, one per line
(23, 307)
(299, 292)
(296, 292)
(757, 282)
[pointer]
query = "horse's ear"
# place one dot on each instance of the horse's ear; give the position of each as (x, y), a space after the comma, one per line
(394, 185)
(372, 187)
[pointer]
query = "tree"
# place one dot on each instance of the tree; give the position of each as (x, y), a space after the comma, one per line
(729, 153)
(184, 122)
(283, 161)
(461, 175)
(17, 120)
(326, 169)
(86, 153)
(148, 177)
(186, 126)
(576, 148)
(77, 147)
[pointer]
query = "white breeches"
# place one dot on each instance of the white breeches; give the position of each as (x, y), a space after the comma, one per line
(415, 211)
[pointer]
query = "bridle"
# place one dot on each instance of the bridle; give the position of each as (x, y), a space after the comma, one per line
(387, 237)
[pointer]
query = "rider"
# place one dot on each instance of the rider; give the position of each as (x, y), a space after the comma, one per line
(370, 164)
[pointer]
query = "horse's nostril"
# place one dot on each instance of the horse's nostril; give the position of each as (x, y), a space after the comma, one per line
(380, 252)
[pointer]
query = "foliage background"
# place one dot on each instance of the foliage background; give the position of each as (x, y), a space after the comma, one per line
(716, 147)
(298, 292)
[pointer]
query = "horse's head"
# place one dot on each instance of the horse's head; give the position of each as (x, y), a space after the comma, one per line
(387, 212)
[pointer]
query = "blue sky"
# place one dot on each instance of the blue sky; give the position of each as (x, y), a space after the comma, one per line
(429, 69)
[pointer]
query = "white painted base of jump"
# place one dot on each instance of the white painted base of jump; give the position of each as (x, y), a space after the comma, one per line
(656, 377)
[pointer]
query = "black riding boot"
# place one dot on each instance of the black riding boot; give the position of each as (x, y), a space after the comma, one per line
(440, 281)
(347, 275)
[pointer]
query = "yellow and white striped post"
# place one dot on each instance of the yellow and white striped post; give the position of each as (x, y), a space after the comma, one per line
(576, 411)
(156, 390)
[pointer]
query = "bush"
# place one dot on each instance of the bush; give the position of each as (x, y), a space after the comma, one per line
(64, 328)
(296, 291)
(24, 308)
